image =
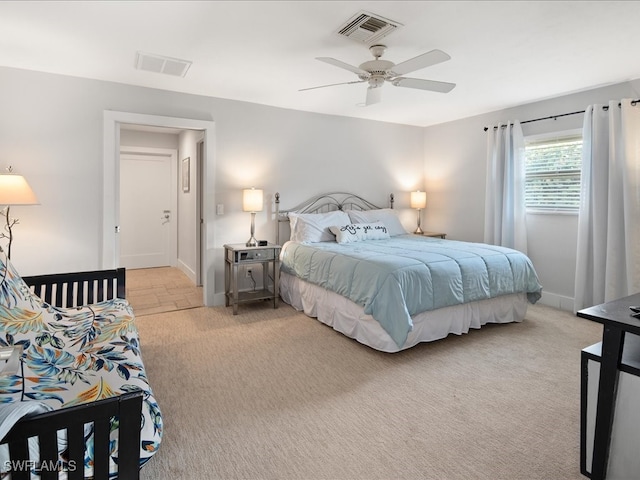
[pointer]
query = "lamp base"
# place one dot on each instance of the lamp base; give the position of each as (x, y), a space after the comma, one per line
(7, 227)
(418, 230)
(252, 242)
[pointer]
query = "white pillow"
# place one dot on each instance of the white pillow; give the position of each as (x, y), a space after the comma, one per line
(314, 227)
(387, 216)
(356, 232)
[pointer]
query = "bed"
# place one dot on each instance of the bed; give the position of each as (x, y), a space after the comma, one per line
(78, 403)
(352, 265)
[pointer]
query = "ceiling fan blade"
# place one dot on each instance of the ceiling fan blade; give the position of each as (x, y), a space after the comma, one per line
(442, 87)
(346, 66)
(331, 85)
(374, 95)
(421, 61)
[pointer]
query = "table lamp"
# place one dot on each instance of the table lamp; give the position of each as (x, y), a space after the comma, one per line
(418, 201)
(14, 190)
(252, 200)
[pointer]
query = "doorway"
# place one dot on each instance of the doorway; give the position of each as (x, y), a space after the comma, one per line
(148, 206)
(111, 196)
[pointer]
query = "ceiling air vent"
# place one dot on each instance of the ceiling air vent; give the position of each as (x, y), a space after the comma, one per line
(160, 64)
(366, 27)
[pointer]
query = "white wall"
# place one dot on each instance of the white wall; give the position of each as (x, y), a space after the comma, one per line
(51, 130)
(455, 173)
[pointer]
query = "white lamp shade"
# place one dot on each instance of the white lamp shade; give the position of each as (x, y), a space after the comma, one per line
(14, 190)
(252, 200)
(418, 199)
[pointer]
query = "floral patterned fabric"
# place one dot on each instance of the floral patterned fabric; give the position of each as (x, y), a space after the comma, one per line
(73, 356)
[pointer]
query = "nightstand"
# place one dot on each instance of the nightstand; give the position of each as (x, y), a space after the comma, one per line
(434, 234)
(238, 254)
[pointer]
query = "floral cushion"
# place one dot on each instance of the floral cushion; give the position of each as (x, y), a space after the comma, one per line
(73, 356)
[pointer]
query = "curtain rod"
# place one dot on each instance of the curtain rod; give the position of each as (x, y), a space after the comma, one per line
(553, 117)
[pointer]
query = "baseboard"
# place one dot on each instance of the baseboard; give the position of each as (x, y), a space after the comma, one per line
(557, 301)
(188, 271)
(218, 299)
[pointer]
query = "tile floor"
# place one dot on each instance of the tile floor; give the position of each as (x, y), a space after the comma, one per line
(162, 289)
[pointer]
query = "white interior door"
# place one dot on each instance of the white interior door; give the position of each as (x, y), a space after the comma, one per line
(147, 210)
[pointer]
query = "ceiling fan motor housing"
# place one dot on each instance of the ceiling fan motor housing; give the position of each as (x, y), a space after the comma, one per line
(378, 70)
(377, 67)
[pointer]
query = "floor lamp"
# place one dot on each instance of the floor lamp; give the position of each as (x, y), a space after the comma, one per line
(14, 190)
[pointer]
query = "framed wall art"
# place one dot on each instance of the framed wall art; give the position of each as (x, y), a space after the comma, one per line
(186, 184)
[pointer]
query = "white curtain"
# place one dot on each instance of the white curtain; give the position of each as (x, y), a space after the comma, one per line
(505, 215)
(608, 255)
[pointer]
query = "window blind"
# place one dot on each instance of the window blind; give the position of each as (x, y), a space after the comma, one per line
(552, 178)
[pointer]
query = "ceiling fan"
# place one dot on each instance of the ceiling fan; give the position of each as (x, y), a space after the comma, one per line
(376, 72)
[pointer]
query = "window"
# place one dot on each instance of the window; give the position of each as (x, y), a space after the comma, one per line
(552, 172)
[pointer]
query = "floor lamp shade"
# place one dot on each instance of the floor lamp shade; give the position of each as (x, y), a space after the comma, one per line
(14, 190)
(252, 201)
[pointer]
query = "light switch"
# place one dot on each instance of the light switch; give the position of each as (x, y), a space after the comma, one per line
(220, 209)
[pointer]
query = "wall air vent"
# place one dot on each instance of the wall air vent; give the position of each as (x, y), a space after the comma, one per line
(160, 64)
(365, 27)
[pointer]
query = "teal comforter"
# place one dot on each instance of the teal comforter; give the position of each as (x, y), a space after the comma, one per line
(395, 278)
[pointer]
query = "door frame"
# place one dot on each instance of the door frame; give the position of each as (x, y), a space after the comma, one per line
(111, 187)
(200, 240)
(172, 155)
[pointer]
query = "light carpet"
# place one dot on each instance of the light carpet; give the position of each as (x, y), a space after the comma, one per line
(273, 394)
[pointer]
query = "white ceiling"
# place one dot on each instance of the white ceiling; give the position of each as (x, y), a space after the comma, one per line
(504, 53)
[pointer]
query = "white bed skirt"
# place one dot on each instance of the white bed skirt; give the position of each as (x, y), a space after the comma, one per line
(346, 317)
